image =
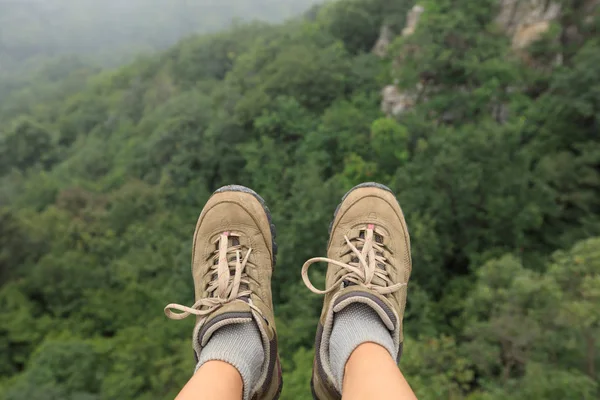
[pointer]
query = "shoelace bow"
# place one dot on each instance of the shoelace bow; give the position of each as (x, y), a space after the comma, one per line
(224, 289)
(362, 272)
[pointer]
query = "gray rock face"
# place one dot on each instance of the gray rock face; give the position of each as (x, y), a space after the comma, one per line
(395, 102)
(526, 20)
(412, 20)
(383, 43)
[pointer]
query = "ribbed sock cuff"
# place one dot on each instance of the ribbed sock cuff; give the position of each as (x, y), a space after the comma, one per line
(354, 325)
(239, 345)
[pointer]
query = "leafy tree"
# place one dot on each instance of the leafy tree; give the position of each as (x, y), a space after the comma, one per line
(440, 370)
(577, 274)
(357, 22)
(13, 244)
(26, 144)
(507, 310)
(60, 370)
(390, 142)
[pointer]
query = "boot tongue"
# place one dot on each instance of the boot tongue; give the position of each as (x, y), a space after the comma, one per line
(356, 294)
(237, 312)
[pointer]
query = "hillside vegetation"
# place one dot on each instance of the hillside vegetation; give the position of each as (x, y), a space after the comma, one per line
(496, 165)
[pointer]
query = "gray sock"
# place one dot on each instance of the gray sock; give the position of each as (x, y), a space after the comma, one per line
(241, 346)
(354, 325)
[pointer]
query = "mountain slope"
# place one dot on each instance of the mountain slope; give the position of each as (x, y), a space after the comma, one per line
(100, 189)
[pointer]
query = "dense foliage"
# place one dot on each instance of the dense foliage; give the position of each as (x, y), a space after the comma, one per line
(100, 189)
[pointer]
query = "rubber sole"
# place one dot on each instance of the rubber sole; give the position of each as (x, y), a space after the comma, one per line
(244, 189)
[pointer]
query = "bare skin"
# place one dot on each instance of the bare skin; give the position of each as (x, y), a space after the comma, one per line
(371, 373)
(215, 380)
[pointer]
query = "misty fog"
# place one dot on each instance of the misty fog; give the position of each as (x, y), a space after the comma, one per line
(111, 31)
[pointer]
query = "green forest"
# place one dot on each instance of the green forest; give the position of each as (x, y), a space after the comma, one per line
(492, 146)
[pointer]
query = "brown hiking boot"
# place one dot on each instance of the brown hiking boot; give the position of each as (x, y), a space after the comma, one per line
(369, 262)
(233, 258)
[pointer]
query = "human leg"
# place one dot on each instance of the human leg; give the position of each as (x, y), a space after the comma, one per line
(369, 265)
(371, 373)
(222, 380)
(234, 338)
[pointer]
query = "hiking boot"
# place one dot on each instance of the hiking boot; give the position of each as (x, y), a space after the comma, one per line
(233, 258)
(369, 262)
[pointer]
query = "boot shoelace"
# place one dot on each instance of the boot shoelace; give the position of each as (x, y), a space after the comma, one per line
(226, 288)
(368, 263)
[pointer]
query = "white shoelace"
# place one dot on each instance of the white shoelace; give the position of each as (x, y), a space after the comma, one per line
(359, 273)
(226, 288)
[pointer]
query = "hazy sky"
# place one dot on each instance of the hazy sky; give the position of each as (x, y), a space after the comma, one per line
(107, 29)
